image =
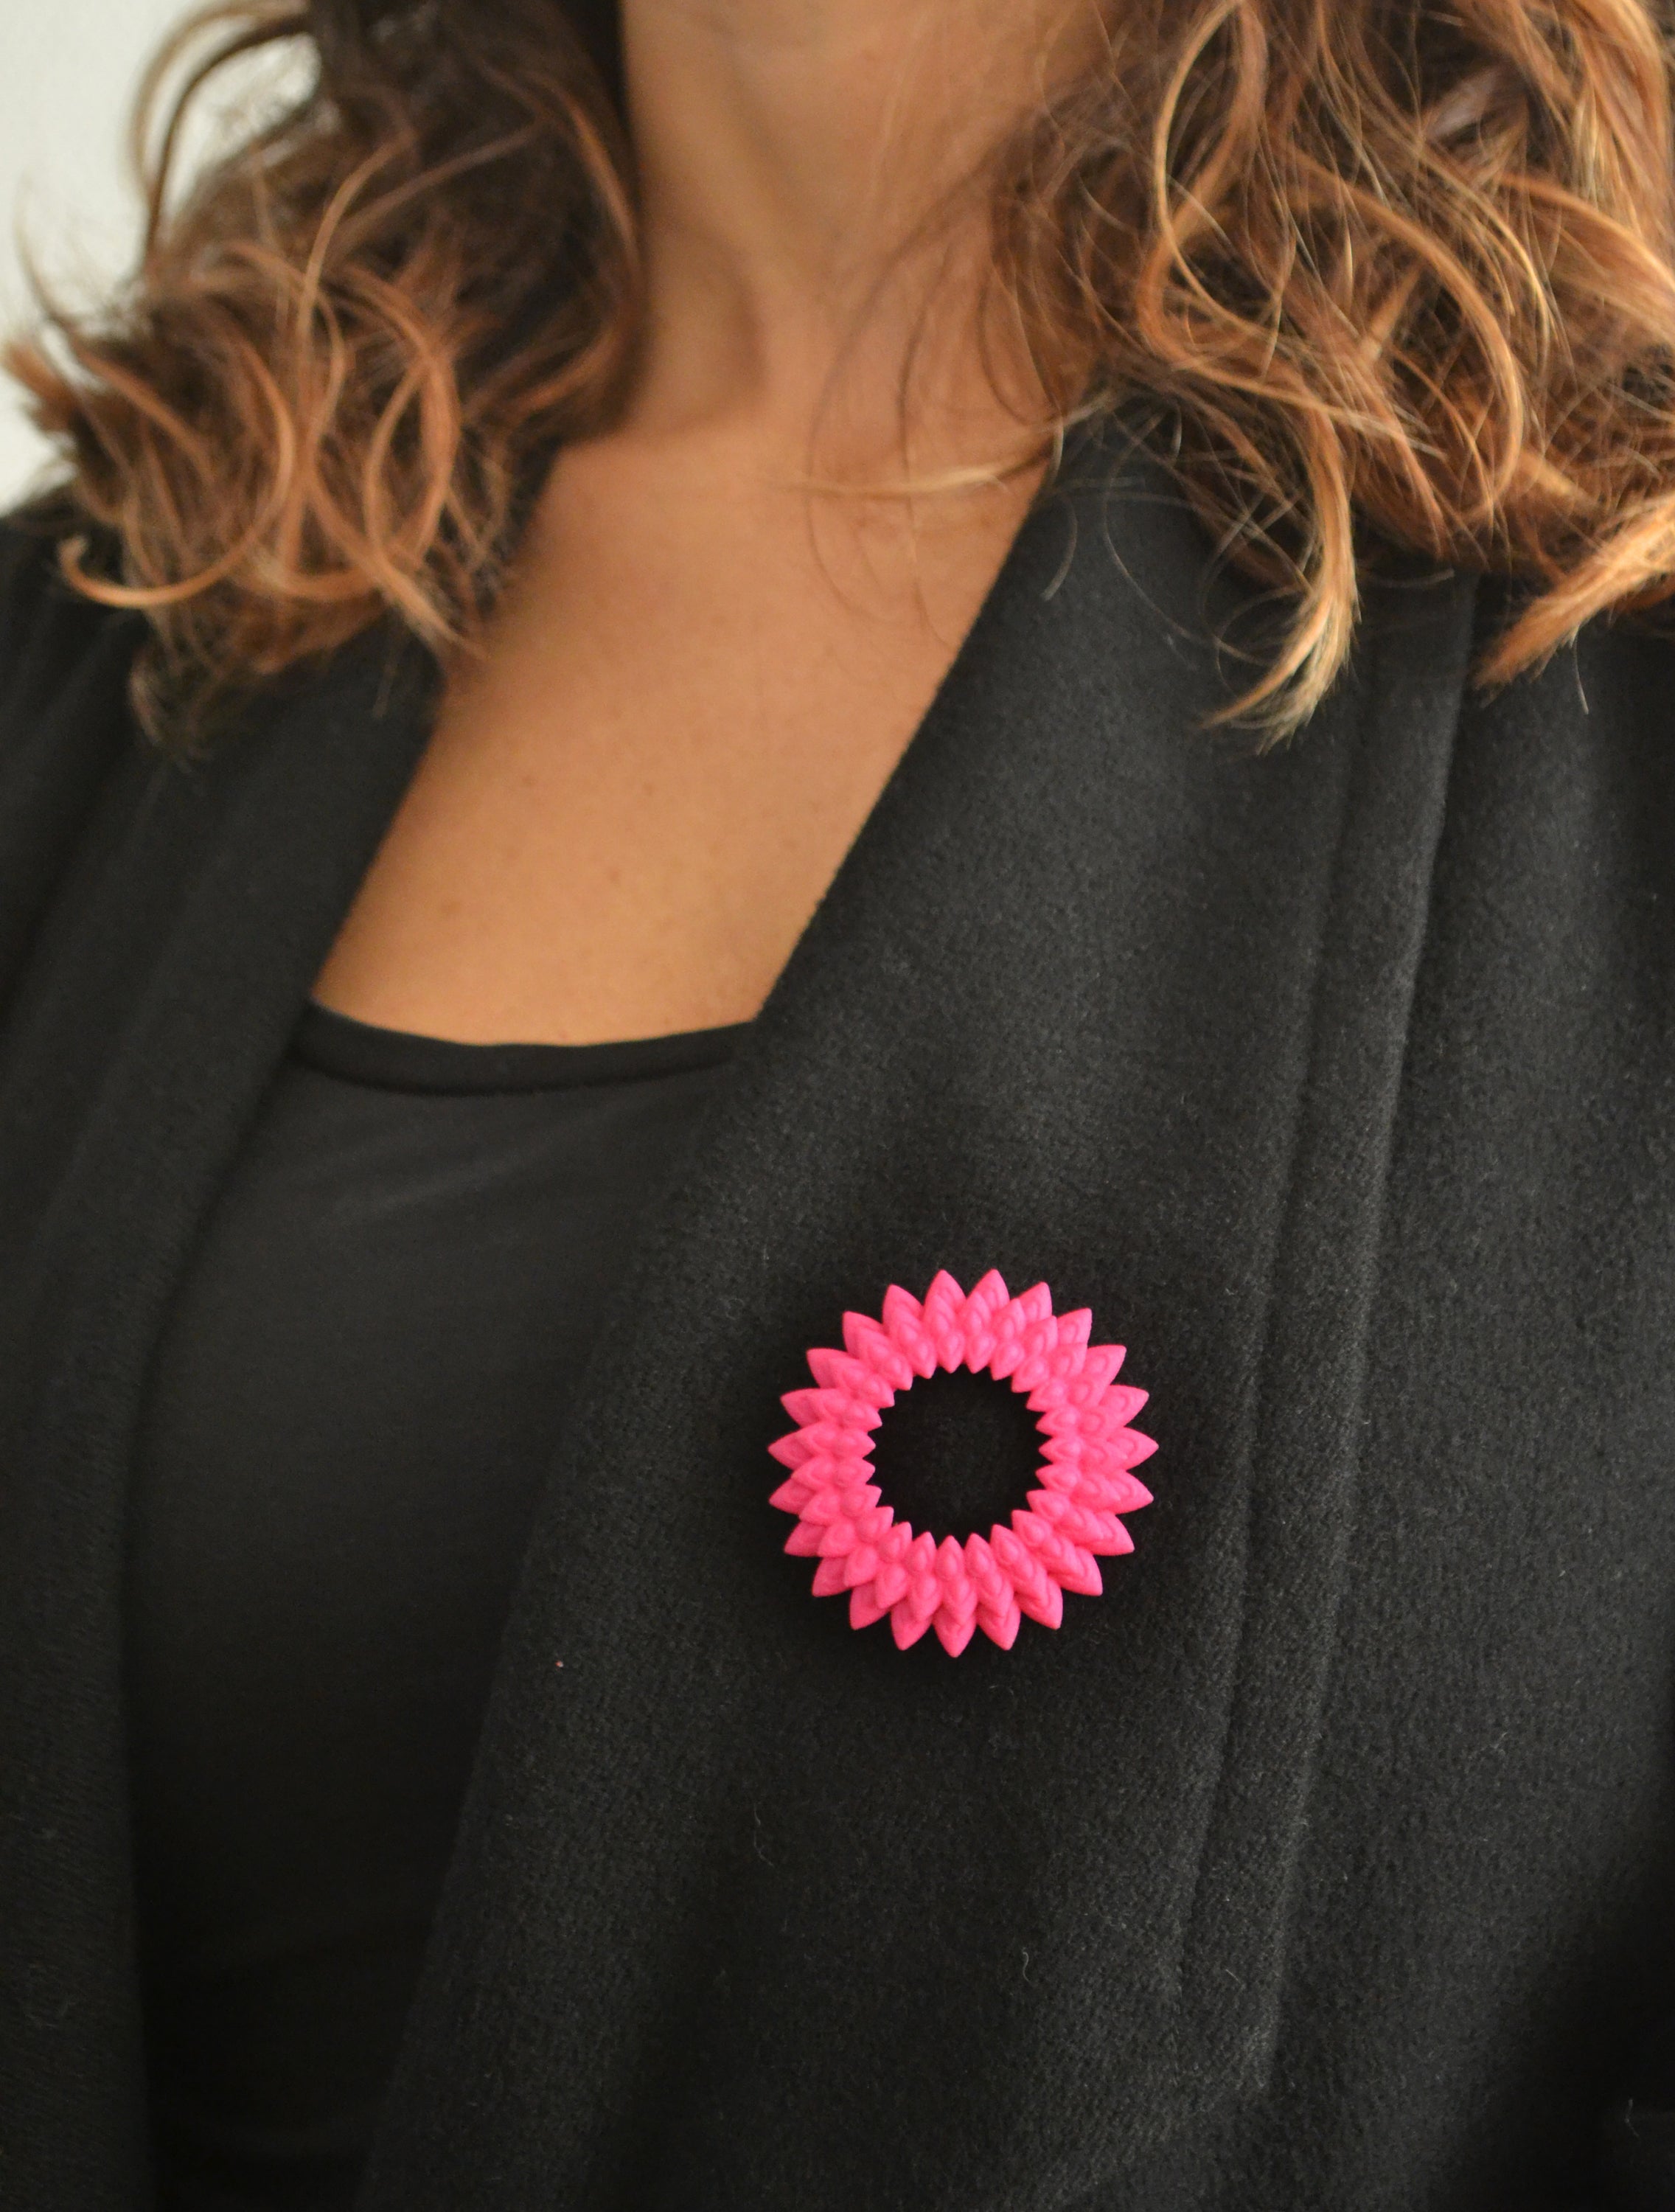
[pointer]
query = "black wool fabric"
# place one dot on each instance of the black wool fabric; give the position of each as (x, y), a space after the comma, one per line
(1328, 1859)
(350, 1415)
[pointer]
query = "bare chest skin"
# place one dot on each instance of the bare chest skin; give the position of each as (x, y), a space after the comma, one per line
(631, 805)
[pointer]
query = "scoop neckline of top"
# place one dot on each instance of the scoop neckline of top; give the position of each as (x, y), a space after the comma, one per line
(400, 1060)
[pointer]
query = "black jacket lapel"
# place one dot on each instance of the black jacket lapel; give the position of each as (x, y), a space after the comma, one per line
(751, 1911)
(163, 984)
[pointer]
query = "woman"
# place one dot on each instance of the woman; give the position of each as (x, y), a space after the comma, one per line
(639, 715)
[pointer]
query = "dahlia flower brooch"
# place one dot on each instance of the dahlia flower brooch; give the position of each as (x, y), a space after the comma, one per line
(1086, 1472)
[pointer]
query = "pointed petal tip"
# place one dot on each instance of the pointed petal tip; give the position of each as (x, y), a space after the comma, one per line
(906, 1627)
(954, 1635)
(864, 1606)
(890, 1585)
(1047, 1607)
(1000, 1626)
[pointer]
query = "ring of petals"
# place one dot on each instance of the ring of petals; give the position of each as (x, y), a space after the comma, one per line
(1054, 1541)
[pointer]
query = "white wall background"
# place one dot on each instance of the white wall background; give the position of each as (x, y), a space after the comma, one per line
(69, 70)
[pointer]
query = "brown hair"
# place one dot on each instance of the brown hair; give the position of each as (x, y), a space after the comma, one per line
(1377, 273)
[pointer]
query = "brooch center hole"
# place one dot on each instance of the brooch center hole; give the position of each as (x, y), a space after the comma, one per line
(956, 1452)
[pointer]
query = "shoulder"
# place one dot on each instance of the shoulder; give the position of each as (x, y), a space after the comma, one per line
(47, 630)
(64, 722)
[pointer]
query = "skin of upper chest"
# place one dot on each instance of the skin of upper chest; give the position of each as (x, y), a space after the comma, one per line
(689, 699)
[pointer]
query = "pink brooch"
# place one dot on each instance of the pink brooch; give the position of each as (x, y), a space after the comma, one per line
(1085, 1468)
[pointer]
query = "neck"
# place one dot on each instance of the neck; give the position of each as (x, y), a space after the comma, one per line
(810, 175)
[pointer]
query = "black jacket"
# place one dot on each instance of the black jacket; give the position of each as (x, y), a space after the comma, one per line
(1327, 1862)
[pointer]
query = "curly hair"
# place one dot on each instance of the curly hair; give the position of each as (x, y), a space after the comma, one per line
(1375, 274)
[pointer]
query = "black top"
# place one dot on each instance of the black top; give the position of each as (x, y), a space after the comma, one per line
(354, 1406)
(1328, 1858)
